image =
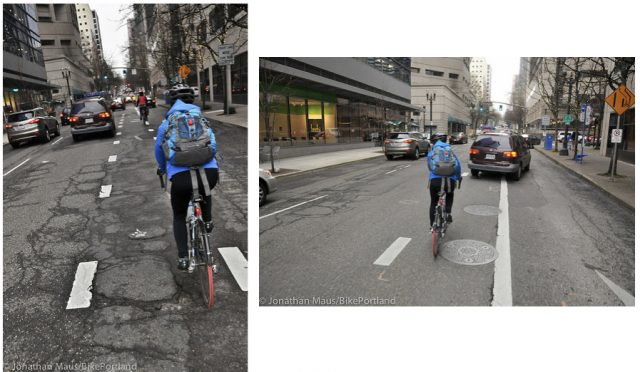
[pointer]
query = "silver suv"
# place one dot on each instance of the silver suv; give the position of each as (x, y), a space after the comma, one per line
(31, 124)
(406, 144)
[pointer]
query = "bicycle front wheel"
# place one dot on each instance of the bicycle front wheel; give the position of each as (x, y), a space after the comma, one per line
(205, 267)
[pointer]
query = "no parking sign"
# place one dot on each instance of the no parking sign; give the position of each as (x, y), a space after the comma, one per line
(616, 136)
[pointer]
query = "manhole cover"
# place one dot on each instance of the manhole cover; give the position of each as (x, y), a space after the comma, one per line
(482, 210)
(468, 252)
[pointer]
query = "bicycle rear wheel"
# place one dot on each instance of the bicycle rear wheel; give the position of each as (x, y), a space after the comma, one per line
(434, 243)
(205, 267)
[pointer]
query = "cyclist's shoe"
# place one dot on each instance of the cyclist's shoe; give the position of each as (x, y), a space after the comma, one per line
(192, 266)
(449, 218)
(208, 226)
(183, 263)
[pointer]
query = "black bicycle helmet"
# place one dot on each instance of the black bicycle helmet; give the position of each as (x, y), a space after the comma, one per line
(183, 93)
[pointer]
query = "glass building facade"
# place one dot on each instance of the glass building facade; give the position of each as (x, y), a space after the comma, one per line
(24, 76)
(304, 113)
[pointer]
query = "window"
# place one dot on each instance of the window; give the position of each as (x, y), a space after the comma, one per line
(433, 72)
(453, 76)
(415, 69)
(65, 42)
(48, 42)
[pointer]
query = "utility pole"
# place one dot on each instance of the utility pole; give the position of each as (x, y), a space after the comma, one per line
(66, 74)
(565, 150)
(430, 98)
(575, 140)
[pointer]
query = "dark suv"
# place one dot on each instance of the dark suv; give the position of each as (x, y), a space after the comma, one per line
(91, 115)
(499, 153)
(31, 124)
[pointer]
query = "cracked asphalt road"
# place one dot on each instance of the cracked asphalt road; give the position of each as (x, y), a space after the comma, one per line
(562, 229)
(143, 311)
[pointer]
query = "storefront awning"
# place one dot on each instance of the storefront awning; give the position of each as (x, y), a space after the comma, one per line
(455, 120)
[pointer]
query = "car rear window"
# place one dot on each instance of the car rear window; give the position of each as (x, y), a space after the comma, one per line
(399, 136)
(496, 142)
(21, 116)
(86, 106)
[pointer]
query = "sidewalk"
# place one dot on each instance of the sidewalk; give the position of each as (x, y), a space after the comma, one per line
(592, 169)
(216, 113)
(302, 164)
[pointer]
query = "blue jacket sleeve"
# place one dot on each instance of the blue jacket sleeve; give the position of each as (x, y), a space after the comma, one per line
(213, 141)
(159, 152)
(458, 169)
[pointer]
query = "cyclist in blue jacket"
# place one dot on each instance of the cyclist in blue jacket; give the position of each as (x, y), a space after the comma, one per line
(435, 182)
(181, 188)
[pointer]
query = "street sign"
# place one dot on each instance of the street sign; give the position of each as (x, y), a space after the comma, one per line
(568, 119)
(621, 99)
(545, 120)
(225, 54)
(616, 136)
(184, 71)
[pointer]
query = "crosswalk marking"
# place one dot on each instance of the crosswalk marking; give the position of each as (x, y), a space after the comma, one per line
(80, 296)
(392, 252)
(237, 263)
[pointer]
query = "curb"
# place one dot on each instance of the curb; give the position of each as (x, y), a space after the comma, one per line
(320, 168)
(588, 179)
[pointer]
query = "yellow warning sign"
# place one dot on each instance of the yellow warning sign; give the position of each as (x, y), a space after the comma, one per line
(621, 99)
(184, 71)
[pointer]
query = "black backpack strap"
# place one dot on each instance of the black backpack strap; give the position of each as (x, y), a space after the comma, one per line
(205, 182)
(194, 183)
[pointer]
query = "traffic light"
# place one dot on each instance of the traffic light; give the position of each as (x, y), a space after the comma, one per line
(500, 108)
(481, 108)
(124, 72)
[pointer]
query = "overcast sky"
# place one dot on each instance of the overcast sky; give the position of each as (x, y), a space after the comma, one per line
(113, 29)
(503, 70)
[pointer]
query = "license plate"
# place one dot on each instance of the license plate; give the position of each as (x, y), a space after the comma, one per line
(490, 156)
(88, 121)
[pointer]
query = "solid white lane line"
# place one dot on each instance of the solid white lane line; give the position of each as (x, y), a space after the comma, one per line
(213, 112)
(112, 158)
(80, 296)
(16, 167)
(133, 121)
(150, 130)
(138, 138)
(105, 191)
(116, 142)
(293, 206)
(624, 296)
(390, 254)
(56, 141)
(391, 171)
(237, 263)
(502, 294)
(119, 126)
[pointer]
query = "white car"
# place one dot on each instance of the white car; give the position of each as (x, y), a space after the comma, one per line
(196, 91)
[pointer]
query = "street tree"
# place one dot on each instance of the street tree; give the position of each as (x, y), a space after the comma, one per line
(272, 84)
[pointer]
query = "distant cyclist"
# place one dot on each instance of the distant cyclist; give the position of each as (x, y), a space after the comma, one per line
(181, 186)
(435, 181)
(141, 103)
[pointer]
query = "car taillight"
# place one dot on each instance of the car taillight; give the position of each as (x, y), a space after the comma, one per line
(510, 154)
(104, 115)
(34, 121)
(386, 142)
(474, 152)
(73, 119)
(8, 126)
(409, 140)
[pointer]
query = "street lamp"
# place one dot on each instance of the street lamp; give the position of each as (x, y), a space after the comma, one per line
(66, 74)
(430, 98)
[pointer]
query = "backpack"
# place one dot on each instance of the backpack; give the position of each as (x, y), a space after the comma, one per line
(442, 161)
(186, 141)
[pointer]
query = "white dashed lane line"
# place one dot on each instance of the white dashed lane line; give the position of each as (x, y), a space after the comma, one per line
(293, 206)
(105, 191)
(56, 141)
(390, 254)
(112, 158)
(391, 171)
(119, 134)
(237, 264)
(116, 142)
(16, 167)
(138, 138)
(80, 296)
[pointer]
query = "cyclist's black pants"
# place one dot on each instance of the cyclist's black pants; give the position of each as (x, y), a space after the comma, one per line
(181, 190)
(434, 189)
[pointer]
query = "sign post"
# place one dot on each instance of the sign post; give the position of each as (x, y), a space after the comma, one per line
(225, 58)
(620, 101)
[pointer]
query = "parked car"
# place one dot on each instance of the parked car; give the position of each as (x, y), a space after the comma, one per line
(499, 153)
(183, 93)
(151, 101)
(438, 136)
(267, 185)
(128, 99)
(407, 144)
(458, 137)
(64, 116)
(91, 116)
(118, 104)
(196, 91)
(31, 124)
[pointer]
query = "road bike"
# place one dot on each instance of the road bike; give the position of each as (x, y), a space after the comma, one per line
(440, 218)
(144, 114)
(199, 251)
